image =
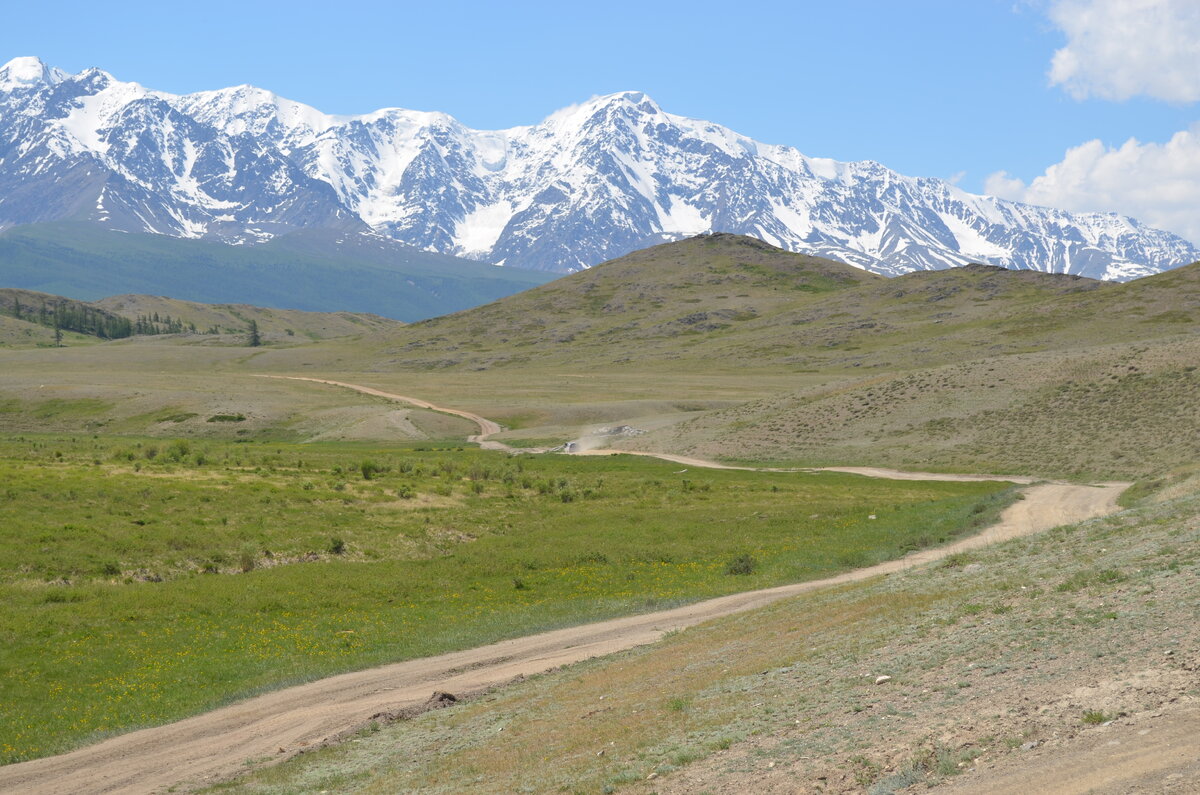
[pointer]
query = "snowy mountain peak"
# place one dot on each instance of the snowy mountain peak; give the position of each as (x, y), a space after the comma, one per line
(627, 99)
(588, 183)
(28, 72)
(602, 107)
(247, 110)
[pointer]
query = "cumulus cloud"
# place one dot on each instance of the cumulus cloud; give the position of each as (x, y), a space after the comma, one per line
(1117, 49)
(1159, 184)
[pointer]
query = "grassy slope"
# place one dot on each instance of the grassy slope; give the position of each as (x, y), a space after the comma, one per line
(653, 304)
(1094, 380)
(172, 390)
(235, 318)
(30, 305)
(974, 368)
(309, 270)
(144, 580)
(1019, 371)
(1105, 411)
(22, 334)
(1035, 641)
(226, 318)
(726, 298)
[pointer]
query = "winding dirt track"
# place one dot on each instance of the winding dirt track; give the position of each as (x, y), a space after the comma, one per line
(486, 426)
(217, 745)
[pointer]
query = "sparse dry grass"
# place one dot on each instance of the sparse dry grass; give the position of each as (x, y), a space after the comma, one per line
(1108, 411)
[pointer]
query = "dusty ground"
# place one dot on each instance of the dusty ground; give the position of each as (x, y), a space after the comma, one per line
(486, 426)
(1150, 753)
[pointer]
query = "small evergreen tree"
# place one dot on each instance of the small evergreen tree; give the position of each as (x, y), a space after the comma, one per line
(255, 340)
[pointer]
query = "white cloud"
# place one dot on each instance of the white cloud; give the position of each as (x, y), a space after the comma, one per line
(1159, 184)
(1117, 49)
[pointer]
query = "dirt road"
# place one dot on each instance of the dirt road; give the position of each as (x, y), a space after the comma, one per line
(224, 743)
(486, 426)
(871, 472)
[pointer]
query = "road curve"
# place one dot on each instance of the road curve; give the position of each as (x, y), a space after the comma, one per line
(486, 427)
(218, 745)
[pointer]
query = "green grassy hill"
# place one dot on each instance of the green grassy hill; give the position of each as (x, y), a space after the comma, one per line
(23, 333)
(976, 368)
(33, 316)
(657, 303)
(725, 298)
(65, 314)
(726, 347)
(235, 318)
(311, 270)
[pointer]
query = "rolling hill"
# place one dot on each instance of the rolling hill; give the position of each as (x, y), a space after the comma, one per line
(235, 318)
(726, 347)
(972, 369)
(728, 300)
(31, 318)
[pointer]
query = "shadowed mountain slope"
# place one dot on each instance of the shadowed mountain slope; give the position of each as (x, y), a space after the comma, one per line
(313, 270)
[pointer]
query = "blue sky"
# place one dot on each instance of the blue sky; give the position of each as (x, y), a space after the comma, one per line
(947, 88)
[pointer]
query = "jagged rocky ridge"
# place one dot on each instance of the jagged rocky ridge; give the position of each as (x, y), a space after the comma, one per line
(587, 184)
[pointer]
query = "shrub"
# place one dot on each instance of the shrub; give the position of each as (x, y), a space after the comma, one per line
(677, 704)
(742, 564)
(1084, 579)
(337, 546)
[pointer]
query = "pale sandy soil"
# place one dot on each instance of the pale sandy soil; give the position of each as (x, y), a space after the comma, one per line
(1152, 755)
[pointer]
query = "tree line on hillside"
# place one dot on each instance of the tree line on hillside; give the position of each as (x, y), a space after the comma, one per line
(84, 319)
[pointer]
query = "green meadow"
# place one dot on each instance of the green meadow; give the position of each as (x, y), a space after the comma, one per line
(145, 580)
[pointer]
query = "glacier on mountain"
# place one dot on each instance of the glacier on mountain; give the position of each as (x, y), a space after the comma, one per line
(588, 183)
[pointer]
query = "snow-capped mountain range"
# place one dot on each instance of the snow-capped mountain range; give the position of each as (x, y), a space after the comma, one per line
(591, 182)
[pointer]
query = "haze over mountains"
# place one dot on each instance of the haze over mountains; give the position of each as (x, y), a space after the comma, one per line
(589, 183)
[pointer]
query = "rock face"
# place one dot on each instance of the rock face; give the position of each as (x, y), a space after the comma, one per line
(589, 183)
